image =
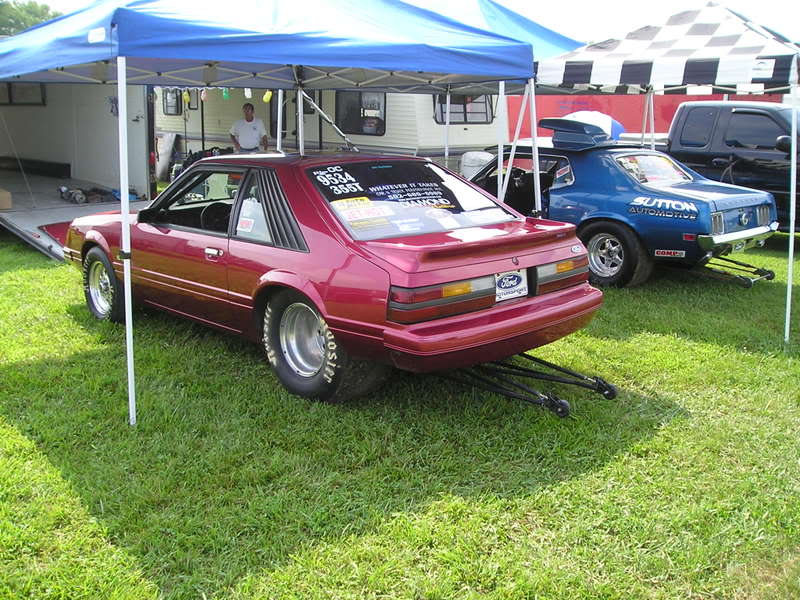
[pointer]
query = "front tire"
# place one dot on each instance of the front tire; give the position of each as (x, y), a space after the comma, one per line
(306, 356)
(101, 288)
(616, 256)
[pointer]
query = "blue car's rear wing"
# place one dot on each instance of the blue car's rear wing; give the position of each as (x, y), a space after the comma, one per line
(574, 135)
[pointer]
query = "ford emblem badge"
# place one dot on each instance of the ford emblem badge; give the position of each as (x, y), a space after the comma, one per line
(509, 281)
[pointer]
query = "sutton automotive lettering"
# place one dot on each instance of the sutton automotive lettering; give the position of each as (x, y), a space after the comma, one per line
(661, 207)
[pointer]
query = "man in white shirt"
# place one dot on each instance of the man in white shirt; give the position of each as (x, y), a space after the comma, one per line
(248, 134)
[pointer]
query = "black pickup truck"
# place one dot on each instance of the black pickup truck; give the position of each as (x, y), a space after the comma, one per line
(744, 143)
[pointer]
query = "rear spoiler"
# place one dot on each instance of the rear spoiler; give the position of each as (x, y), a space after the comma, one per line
(574, 135)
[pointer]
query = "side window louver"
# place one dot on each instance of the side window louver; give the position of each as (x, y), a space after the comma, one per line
(283, 226)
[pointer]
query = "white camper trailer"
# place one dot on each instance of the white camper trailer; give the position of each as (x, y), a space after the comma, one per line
(374, 121)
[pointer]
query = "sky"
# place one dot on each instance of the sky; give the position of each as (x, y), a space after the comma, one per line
(594, 21)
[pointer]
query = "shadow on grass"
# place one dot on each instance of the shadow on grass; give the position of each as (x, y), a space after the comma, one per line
(226, 474)
(701, 309)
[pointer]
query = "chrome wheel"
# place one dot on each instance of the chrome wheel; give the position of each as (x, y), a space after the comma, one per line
(302, 339)
(100, 290)
(606, 255)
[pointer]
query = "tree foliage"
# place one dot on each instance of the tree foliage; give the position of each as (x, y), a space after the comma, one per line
(17, 16)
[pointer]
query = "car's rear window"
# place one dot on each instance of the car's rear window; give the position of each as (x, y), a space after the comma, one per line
(652, 168)
(386, 199)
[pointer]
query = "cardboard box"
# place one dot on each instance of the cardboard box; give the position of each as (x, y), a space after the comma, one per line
(5, 199)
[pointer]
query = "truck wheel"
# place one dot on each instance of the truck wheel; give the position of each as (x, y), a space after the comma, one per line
(306, 356)
(101, 288)
(616, 256)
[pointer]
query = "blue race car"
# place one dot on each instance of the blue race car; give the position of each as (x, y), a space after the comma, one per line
(634, 206)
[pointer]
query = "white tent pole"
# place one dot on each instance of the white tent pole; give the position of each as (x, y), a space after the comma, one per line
(447, 128)
(645, 110)
(125, 254)
(301, 142)
(520, 116)
(652, 104)
(792, 210)
(279, 141)
(501, 135)
(537, 185)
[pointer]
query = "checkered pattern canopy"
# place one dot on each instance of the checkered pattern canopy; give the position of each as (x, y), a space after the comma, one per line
(712, 46)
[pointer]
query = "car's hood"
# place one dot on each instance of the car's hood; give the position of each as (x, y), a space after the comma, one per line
(111, 216)
(719, 196)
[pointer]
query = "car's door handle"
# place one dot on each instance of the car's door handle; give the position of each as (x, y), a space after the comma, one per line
(213, 252)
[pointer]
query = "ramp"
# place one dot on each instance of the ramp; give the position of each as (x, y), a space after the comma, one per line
(36, 202)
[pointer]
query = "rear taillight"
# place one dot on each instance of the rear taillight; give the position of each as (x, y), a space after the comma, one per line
(763, 214)
(558, 275)
(717, 223)
(412, 305)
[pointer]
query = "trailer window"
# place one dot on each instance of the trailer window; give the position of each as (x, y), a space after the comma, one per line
(362, 113)
(463, 109)
(172, 102)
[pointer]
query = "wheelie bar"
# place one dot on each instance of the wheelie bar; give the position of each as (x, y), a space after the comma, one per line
(498, 377)
(752, 273)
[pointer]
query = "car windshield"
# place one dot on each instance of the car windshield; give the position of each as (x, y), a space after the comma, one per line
(652, 168)
(385, 199)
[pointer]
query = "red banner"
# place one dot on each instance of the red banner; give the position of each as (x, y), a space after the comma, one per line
(628, 110)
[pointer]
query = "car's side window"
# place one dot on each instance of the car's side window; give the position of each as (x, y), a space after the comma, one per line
(559, 168)
(753, 131)
(251, 223)
(206, 204)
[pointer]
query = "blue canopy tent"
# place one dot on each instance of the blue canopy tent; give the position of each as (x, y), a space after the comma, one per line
(366, 44)
(386, 44)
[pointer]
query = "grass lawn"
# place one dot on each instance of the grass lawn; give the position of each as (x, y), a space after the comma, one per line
(685, 486)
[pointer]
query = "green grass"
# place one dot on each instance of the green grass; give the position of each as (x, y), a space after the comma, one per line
(685, 486)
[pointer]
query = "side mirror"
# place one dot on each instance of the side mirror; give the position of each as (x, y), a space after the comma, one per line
(783, 143)
(146, 215)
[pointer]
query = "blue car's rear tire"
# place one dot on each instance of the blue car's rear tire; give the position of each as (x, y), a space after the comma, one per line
(616, 255)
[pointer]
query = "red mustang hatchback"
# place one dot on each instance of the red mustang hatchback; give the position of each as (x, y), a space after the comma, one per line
(343, 266)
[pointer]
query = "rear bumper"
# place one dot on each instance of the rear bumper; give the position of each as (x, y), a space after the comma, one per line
(737, 240)
(503, 331)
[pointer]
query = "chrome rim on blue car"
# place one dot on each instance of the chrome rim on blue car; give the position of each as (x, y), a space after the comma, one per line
(100, 288)
(605, 255)
(302, 339)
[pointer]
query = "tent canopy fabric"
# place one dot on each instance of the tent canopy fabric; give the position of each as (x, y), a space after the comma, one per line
(712, 46)
(374, 44)
(489, 15)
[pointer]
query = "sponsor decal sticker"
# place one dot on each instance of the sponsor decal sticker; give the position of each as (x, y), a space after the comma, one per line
(671, 253)
(245, 224)
(360, 208)
(662, 207)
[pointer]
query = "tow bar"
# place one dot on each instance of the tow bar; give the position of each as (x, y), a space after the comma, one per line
(498, 377)
(752, 273)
